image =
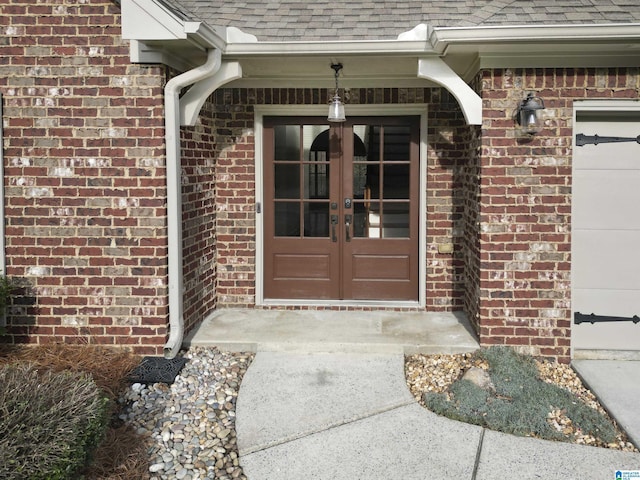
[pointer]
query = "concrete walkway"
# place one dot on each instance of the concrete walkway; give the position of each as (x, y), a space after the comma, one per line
(325, 398)
(616, 383)
(350, 416)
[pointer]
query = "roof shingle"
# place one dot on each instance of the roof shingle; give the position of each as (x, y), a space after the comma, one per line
(294, 20)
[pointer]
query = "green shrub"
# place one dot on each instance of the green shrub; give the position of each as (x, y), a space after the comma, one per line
(7, 287)
(520, 403)
(49, 422)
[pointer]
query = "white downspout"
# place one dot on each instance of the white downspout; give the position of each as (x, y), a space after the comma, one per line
(174, 193)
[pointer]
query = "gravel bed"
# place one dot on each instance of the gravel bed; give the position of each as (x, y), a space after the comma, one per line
(435, 373)
(190, 424)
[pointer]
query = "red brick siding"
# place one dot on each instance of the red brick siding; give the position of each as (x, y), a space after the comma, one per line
(525, 205)
(235, 198)
(84, 178)
(446, 159)
(199, 217)
(471, 221)
(235, 174)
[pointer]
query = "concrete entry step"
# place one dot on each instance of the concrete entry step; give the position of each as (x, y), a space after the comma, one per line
(336, 331)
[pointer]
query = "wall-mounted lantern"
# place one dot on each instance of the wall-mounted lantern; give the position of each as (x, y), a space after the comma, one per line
(528, 115)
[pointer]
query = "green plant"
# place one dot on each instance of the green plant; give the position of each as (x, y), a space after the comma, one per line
(49, 422)
(8, 287)
(520, 403)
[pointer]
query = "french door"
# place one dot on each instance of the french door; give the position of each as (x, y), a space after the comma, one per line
(341, 208)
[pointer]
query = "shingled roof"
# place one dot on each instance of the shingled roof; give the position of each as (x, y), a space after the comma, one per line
(292, 20)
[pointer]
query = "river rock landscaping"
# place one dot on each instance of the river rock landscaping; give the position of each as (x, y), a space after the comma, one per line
(190, 424)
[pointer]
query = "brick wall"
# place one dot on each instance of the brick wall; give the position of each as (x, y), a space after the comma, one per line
(85, 190)
(471, 222)
(235, 174)
(525, 205)
(85, 177)
(447, 157)
(199, 217)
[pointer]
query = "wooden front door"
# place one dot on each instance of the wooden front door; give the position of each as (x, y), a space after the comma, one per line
(341, 208)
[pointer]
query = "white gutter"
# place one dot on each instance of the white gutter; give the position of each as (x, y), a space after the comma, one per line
(442, 38)
(174, 193)
(324, 48)
(436, 40)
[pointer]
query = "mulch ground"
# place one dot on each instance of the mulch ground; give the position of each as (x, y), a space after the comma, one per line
(122, 455)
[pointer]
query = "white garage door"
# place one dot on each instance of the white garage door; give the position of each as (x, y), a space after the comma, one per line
(606, 237)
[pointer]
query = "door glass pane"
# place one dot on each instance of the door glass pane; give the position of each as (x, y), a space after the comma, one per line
(366, 221)
(287, 180)
(316, 180)
(366, 143)
(397, 140)
(316, 143)
(396, 181)
(366, 181)
(316, 219)
(287, 219)
(287, 143)
(395, 220)
(359, 180)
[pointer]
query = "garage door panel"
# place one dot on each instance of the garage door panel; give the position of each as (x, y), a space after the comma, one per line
(607, 336)
(600, 195)
(605, 253)
(606, 259)
(610, 303)
(609, 156)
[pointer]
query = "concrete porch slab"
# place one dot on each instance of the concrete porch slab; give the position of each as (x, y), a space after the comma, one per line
(335, 331)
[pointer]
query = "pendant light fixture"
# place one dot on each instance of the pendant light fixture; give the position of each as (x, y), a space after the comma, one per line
(336, 108)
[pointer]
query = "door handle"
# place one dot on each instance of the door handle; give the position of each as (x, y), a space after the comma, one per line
(347, 225)
(334, 223)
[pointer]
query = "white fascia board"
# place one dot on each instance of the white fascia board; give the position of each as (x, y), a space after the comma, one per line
(356, 47)
(442, 38)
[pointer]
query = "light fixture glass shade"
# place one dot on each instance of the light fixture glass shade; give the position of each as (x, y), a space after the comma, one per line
(529, 121)
(336, 110)
(529, 114)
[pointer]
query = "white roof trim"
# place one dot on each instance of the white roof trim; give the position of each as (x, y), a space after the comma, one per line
(444, 37)
(436, 70)
(354, 47)
(147, 20)
(192, 101)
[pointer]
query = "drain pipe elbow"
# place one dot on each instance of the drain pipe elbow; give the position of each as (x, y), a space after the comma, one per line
(174, 193)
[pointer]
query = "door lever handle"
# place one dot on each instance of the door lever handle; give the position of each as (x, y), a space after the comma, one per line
(334, 223)
(347, 225)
